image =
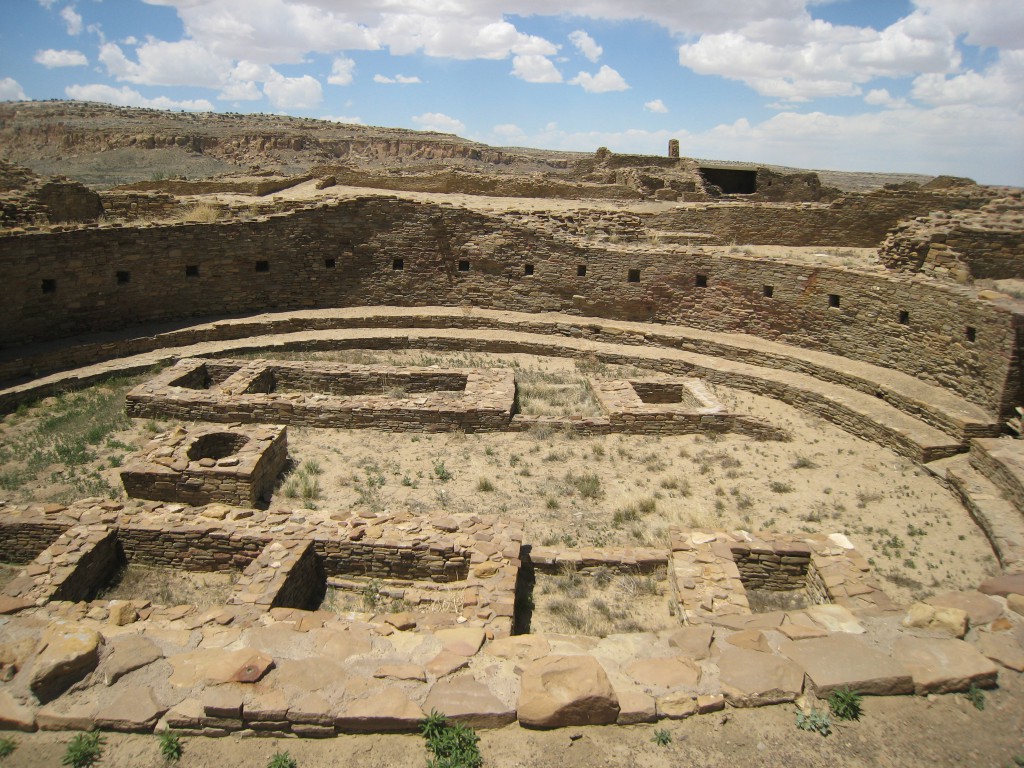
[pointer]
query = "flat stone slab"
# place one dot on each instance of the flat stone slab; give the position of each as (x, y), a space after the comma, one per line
(127, 653)
(842, 661)
(694, 642)
(835, 618)
(1003, 648)
(566, 690)
(980, 609)
(470, 702)
(389, 710)
(940, 665)
(1003, 585)
(755, 679)
(636, 707)
(665, 673)
(14, 715)
(133, 711)
(70, 654)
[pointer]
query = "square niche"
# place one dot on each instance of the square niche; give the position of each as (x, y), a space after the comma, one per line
(235, 465)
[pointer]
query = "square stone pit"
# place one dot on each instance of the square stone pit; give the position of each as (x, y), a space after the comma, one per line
(235, 465)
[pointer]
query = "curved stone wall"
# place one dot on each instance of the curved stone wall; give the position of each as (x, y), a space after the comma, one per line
(385, 251)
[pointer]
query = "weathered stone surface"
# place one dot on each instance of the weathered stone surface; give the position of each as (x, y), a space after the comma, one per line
(672, 672)
(311, 709)
(693, 642)
(222, 701)
(566, 690)
(70, 654)
(402, 672)
(186, 714)
(1003, 585)
(519, 647)
(389, 710)
(465, 641)
(9, 604)
(800, 632)
(467, 701)
(215, 665)
(127, 653)
(841, 661)
(835, 618)
(939, 619)
(710, 702)
(1002, 648)
(940, 665)
(980, 609)
(750, 639)
(445, 663)
(121, 612)
(755, 679)
(133, 711)
(61, 716)
(252, 668)
(677, 706)
(635, 707)
(14, 715)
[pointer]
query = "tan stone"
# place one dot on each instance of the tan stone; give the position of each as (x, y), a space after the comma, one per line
(693, 642)
(445, 663)
(465, 641)
(940, 665)
(751, 640)
(710, 702)
(635, 707)
(1004, 585)
(14, 715)
(468, 701)
(677, 706)
(980, 609)
(672, 672)
(842, 661)
(835, 618)
(800, 632)
(755, 679)
(70, 654)
(121, 612)
(134, 710)
(1015, 603)
(940, 619)
(519, 647)
(389, 710)
(1002, 648)
(402, 672)
(566, 690)
(311, 709)
(127, 653)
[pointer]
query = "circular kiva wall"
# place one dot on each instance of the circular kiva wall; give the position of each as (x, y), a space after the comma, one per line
(385, 251)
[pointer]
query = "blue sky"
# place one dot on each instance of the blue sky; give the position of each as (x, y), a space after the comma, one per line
(927, 86)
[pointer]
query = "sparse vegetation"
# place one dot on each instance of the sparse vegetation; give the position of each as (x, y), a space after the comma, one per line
(662, 737)
(170, 746)
(84, 750)
(452, 745)
(282, 760)
(815, 720)
(976, 696)
(845, 704)
(7, 747)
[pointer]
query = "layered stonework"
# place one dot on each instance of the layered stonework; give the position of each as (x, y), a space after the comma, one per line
(331, 395)
(201, 465)
(711, 571)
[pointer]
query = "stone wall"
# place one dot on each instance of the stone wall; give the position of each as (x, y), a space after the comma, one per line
(22, 542)
(133, 205)
(372, 251)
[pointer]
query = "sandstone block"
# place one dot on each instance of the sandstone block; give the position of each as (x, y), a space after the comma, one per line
(940, 665)
(677, 706)
(14, 715)
(389, 710)
(70, 654)
(941, 619)
(980, 608)
(693, 642)
(840, 661)
(672, 672)
(467, 701)
(566, 690)
(755, 679)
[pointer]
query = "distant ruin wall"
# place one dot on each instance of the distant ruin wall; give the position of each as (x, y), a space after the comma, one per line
(380, 251)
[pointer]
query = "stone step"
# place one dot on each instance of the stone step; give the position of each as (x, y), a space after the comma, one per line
(1001, 521)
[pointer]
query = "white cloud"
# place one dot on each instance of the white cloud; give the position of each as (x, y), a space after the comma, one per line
(534, 68)
(606, 79)
(508, 133)
(287, 93)
(72, 20)
(657, 105)
(11, 90)
(51, 58)
(241, 91)
(882, 97)
(996, 23)
(129, 97)
(184, 62)
(399, 79)
(440, 122)
(586, 45)
(343, 71)
(341, 119)
(1001, 84)
(47, 4)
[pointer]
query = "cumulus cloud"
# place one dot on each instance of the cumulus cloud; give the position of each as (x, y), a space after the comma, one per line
(129, 97)
(11, 90)
(606, 79)
(343, 71)
(1001, 84)
(399, 79)
(184, 62)
(586, 45)
(534, 68)
(657, 105)
(287, 93)
(508, 133)
(51, 58)
(72, 20)
(440, 122)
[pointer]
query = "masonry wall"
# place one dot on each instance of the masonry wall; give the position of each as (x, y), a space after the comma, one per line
(66, 283)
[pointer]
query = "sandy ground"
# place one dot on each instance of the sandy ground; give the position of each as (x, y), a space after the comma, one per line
(896, 731)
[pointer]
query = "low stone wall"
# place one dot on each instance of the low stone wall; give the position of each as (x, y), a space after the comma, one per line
(588, 560)
(296, 580)
(22, 542)
(201, 465)
(470, 399)
(190, 547)
(74, 567)
(1002, 462)
(133, 205)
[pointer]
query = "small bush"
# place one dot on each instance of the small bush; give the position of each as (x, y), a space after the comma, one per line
(170, 746)
(976, 696)
(815, 720)
(484, 485)
(441, 472)
(84, 751)
(7, 747)
(845, 704)
(282, 760)
(778, 486)
(662, 737)
(453, 745)
(588, 486)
